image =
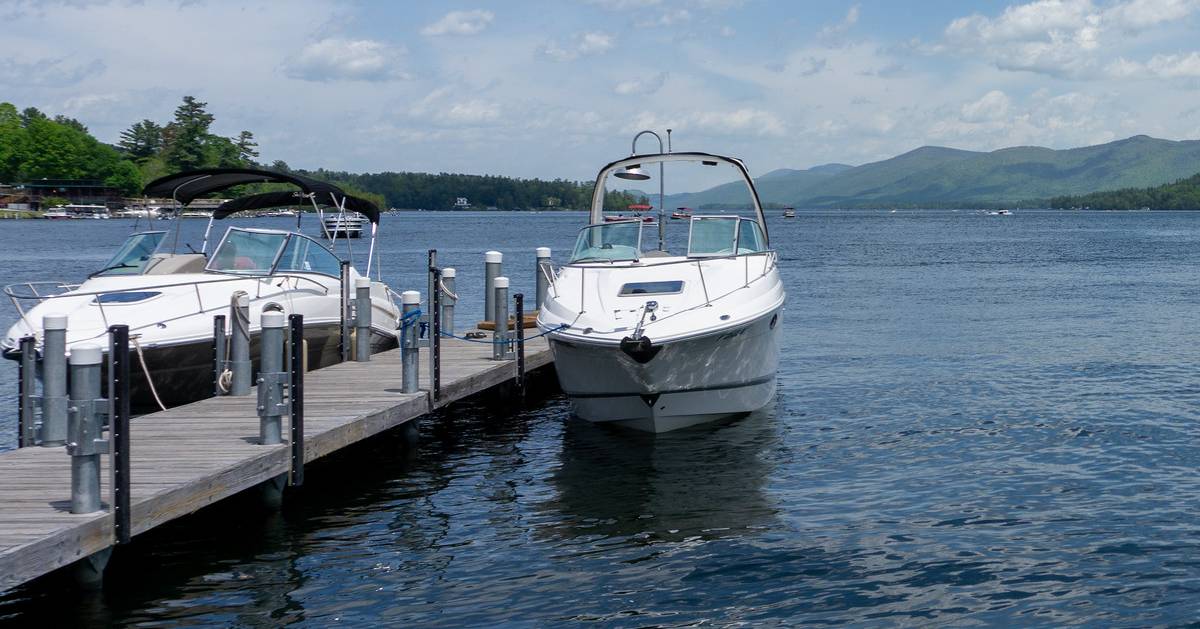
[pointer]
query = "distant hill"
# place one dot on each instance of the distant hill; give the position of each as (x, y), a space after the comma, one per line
(1180, 195)
(939, 176)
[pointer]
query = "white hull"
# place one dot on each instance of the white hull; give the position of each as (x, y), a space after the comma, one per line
(690, 381)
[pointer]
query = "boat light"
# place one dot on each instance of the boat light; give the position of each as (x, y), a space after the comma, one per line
(634, 172)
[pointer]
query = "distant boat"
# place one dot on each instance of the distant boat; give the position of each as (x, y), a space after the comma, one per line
(789, 212)
(681, 213)
(1000, 213)
(348, 225)
(57, 213)
(283, 212)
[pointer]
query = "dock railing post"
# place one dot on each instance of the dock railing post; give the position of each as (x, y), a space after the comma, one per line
(219, 346)
(435, 334)
(296, 399)
(239, 343)
(362, 319)
(500, 317)
(492, 261)
(84, 427)
(54, 380)
(26, 390)
(271, 380)
(519, 306)
(543, 276)
(344, 344)
(410, 365)
(449, 299)
(118, 429)
(431, 284)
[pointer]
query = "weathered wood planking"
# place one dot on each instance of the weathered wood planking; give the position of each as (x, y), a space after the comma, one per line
(189, 457)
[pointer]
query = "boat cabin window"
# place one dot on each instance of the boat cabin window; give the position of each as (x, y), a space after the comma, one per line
(651, 288)
(307, 256)
(750, 237)
(609, 242)
(247, 251)
(131, 258)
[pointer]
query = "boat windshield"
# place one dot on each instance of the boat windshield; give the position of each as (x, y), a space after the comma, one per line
(243, 251)
(609, 242)
(307, 256)
(713, 236)
(133, 254)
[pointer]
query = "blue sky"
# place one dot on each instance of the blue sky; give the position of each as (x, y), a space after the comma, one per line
(556, 89)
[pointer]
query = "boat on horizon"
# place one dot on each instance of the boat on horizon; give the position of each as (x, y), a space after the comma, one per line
(168, 299)
(342, 224)
(657, 340)
(789, 212)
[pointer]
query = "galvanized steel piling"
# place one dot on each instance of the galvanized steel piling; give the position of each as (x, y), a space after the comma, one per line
(543, 276)
(54, 380)
(362, 319)
(449, 298)
(239, 343)
(500, 335)
(219, 346)
(491, 270)
(410, 365)
(271, 379)
(84, 428)
(27, 381)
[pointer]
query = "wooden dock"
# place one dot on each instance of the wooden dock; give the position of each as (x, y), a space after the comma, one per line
(192, 456)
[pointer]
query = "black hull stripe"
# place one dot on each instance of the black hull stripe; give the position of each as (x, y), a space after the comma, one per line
(718, 387)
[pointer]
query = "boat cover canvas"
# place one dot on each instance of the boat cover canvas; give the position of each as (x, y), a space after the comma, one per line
(192, 184)
(285, 198)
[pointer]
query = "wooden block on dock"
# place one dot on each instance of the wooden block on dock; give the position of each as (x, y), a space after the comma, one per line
(529, 322)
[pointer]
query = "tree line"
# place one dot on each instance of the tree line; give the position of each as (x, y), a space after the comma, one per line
(36, 146)
(1180, 195)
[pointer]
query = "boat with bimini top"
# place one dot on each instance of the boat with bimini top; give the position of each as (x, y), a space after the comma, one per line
(658, 340)
(168, 298)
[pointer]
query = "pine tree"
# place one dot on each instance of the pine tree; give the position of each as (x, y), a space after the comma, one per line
(142, 140)
(247, 147)
(189, 135)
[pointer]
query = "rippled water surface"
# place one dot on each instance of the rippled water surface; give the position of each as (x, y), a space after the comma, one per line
(981, 420)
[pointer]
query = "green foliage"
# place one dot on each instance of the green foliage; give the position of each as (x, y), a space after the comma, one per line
(188, 136)
(142, 141)
(1180, 195)
(51, 202)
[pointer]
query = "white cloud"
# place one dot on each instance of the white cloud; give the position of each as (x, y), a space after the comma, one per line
(731, 122)
(446, 106)
(588, 43)
(50, 72)
(840, 28)
(1063, 38)
(669, 17)
(1175, 66)
(347, 60)
(993, 106)
(640, 87)
(622, 5)
(460, 23)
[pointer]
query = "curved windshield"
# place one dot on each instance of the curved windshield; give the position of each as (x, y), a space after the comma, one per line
(133, 254)
(713, 236)
(750, 237)
(247, 252)
(610, 242)
(305, 255)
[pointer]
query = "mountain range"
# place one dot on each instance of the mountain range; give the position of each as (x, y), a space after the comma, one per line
(939, 176)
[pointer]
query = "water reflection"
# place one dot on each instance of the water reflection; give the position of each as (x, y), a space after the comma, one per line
(705, 482)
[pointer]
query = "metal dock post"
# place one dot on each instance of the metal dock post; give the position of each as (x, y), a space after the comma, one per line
(492, 261)
(410, 338)
(435, 333)
(26, 390)
(54, 380)
(344, 344)
(500, 316)
(449, 299)
(519, 306)
(271, 380)
(296, 400)
(219, 346)
(84, 428)
(362, 319)
(239, 343)
(543, 276)
(118, 429)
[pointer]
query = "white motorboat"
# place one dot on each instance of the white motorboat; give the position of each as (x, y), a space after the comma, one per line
(169, 299)
(656, 340)
(343, 225)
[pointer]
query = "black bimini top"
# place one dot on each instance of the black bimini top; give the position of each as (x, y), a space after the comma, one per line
(187, 186)
(287, 197)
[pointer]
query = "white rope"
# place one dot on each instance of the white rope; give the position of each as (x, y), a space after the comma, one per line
(146, 370)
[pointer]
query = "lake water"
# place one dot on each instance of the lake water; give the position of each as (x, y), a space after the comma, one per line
(980, 420)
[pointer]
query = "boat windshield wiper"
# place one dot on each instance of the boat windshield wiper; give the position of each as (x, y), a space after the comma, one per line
(122, 265)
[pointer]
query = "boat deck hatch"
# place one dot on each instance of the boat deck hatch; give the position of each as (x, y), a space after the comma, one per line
(651, 288)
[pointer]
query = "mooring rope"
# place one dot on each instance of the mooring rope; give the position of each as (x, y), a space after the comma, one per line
(146, 370)
(561, 326)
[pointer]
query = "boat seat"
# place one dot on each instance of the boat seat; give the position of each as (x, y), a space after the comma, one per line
(172, 264)
(656, 254)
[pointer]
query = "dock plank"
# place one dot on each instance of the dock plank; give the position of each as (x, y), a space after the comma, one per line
(192, 456)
